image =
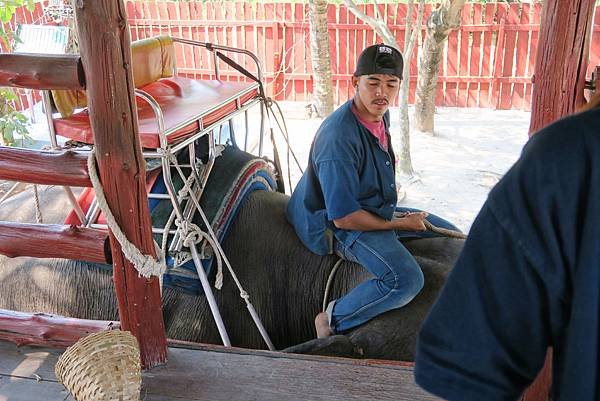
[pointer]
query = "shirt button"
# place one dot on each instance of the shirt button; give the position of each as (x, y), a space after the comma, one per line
(392, 205)
(392, 185)
(387, 163)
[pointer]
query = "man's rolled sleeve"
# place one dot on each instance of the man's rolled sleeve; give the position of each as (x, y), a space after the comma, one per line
(340, 184)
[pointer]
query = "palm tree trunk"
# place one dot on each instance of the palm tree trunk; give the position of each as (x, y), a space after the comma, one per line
(321, 62)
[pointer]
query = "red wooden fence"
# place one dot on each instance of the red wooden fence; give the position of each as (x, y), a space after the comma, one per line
(488, 62)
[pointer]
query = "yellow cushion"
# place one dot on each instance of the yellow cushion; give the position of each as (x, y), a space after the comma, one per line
(152, 59)
(67, 101)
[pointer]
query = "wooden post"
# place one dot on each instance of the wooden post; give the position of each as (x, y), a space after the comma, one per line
(561, 61)
(104, 41)
(498, 63)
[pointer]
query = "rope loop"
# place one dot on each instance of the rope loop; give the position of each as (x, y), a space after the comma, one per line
(145, 265)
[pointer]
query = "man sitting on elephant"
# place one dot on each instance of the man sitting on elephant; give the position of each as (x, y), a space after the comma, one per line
(346, 200)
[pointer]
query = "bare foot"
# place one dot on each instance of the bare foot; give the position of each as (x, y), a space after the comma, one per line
(322, 325)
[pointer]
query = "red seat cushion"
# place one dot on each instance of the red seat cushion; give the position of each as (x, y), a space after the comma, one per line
(181, 100)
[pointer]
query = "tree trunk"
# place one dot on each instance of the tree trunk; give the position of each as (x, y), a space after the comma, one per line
(321, 62)
(439, 24)
(410, 38)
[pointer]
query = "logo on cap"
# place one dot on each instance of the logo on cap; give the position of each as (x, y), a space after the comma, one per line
(385, 49)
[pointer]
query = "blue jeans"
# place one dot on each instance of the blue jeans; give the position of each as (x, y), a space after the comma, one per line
(398, 277)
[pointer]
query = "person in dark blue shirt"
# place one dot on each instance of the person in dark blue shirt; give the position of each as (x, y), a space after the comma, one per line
(527, 279)
(346, 200)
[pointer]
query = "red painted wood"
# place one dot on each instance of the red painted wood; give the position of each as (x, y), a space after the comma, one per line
(539, 390)
(229, 32)
(249, 31)
(351, 51)
(450, 98)
(498, 57)
(342, 55)
(48, 330)
(595, 44)
(333, 49)
(182, 11)
(106, 54)
(559, 86)
(370, 36)
(509, 57)
(54, 241)
(36, 71)
(474, 65)
(463, 70)
(518, 95)
(296, 44)
(486, 63)
(537, 16)
(131, 14)
(47, 168)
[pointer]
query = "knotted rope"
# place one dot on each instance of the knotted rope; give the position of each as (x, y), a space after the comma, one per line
(196, 235)
(146, 265)
(38, 211)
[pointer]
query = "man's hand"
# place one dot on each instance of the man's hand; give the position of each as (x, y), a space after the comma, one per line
(361, 220)
(412, 221)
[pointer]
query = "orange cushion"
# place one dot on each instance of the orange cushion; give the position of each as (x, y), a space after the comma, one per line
(181, 100)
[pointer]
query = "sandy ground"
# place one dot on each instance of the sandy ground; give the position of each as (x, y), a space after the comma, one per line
(454, 170)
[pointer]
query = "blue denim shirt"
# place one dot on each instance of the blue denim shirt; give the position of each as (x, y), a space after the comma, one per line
(347, 171)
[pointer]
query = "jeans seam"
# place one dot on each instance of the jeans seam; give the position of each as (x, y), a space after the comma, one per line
(380, 299)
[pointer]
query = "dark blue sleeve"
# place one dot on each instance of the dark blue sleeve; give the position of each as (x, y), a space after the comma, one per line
(340, 185)
(337, 159)
(486, 337)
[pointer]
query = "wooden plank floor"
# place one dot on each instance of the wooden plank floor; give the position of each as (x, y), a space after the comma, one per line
(215, 373)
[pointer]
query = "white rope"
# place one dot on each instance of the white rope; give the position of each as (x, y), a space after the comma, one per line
(38, 212)
(146, 265)
(195, 235)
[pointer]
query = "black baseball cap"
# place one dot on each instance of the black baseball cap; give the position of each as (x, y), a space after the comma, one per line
(380, 59)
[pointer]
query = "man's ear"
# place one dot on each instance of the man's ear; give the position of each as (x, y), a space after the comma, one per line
(355, 82)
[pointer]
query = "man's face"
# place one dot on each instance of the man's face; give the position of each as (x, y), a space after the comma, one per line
(375, 92)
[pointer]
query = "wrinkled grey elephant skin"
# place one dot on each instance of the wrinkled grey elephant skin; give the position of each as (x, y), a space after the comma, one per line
(285, 281)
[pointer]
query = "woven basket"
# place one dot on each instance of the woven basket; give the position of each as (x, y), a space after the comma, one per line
(101, 367)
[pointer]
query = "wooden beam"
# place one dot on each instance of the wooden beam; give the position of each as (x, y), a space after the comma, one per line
(35, 71)
(561, 61)
(54, 241)
(48, 330)
(106, 54)
(47, 168)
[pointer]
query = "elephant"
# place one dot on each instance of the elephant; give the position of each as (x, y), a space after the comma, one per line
(286, 283)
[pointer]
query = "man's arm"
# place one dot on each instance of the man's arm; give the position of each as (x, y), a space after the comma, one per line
(362, 220)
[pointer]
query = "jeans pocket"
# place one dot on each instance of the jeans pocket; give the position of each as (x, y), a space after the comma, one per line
(344, 252)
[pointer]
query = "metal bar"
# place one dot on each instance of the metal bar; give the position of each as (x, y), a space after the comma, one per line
(155, 230)
(247, 130)
(210, 297)
(76, 206)
(48, 112)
